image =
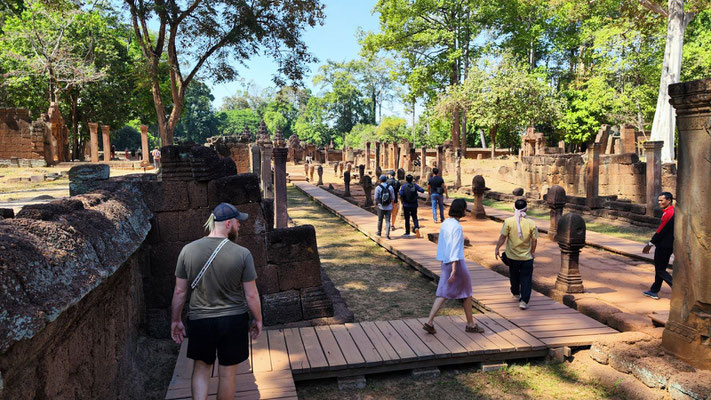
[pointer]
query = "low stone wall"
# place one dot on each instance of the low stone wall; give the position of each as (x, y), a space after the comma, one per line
(72, 300)
(621, 175)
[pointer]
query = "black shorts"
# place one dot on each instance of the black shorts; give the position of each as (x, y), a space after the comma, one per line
(227, 337)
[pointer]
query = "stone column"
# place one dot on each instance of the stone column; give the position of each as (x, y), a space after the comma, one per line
(347, 182)
(361, 173)
(106, 134)
(144, 144)
(377, 154)
(458, 168)
(556, 199)
(423, 161)
(94, 142)
(319, 170)
(628, 137)
(687, 332)
(368, 189)
(592, 176)
(312, 168)
(440, 159)
(256, 158)
(367, 154)
(266, 159)
(653, 152)
(570, 238)
(478, 188)
(306, 171)
(280, 215)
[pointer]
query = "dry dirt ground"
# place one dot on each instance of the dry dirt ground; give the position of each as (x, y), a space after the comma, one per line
(376, 286)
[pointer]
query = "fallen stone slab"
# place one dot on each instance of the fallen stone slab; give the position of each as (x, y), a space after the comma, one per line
(655, 372)
(691, 386)
(596, 309)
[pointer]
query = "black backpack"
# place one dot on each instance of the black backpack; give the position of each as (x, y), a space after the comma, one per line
(385, 198)
(409, 194)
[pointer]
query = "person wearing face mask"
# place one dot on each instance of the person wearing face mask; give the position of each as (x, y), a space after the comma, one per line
(222, 277)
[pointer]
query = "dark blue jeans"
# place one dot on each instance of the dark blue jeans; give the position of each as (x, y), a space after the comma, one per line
(437, 201)
(410, 212)
(521, 275)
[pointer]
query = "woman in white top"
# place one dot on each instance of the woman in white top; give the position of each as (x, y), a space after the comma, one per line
(454, 282)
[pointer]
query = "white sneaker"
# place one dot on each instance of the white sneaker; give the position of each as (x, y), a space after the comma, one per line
(522, 305)
(516, 296)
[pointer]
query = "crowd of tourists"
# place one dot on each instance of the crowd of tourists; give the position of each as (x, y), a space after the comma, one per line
(220, 277)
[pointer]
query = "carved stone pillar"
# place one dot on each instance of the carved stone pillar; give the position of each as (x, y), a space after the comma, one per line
(267, 183)
(306, 171)
(347, 183)
(368, 189)
(94, 143)
(423, 161)
(570, 238)
(312, 168)
(361, 173)
(687, 333)
(256, 156)
(144, 145)
(377, 155)
(335, 168)
(556, 199)
(367, 154)
(319, 170)
(440, 159)
(478, 188)
(593, 176)
(653, 152)
(106, 134)
(280, 203)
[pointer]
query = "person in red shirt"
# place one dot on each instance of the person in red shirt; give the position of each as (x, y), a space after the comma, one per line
(663, 239)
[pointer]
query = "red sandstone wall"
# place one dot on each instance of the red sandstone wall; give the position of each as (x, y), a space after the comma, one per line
(240, 155)
(16, 139)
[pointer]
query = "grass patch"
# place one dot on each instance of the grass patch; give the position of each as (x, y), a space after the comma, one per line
(375, 284)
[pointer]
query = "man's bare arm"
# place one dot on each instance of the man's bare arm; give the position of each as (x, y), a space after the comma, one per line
(502, 240)
(177, 330)
(251, 294)
(534, 242)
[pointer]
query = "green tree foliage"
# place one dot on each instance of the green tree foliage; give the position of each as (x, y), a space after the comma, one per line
(312, 124)
(359, 135)
(233, 121)
(392, 129)
(208, 36)
(198, 121)
(345, 102)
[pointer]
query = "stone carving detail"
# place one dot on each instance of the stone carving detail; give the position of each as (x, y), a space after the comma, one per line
(570, 238)
(556, 199)
(368, 188)
(347, 182)
(478, 188)
(320, 175)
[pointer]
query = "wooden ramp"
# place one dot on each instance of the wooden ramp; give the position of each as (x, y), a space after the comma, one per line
(553, 323)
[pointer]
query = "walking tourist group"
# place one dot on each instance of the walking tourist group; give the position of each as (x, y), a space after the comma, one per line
(220, 277)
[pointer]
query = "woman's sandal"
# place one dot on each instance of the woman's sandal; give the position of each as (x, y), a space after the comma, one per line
(429, 328)
(474, 329)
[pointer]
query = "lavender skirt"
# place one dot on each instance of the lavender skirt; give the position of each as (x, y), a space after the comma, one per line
(461, 288)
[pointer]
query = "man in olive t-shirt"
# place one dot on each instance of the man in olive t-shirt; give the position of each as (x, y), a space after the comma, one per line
(521, 236)
(224, 289)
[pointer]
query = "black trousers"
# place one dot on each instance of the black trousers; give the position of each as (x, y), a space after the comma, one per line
(661, 262)
(410, 212)
(521, 277)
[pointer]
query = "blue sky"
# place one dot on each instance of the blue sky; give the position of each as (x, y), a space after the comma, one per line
(335, 40)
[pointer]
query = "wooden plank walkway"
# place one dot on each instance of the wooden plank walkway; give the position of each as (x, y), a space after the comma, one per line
(551, 322)
(279, 357)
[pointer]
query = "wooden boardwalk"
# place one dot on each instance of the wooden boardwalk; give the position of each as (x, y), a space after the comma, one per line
(553, 323)
(281, 356)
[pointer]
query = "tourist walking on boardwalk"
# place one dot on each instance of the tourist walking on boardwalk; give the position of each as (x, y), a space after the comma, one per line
(156, 158)
(454, 282)
(437, 189)
(383, 199)
(223, 281)
(664, 240)
(408, 198)
(395, 184)
(521, 237)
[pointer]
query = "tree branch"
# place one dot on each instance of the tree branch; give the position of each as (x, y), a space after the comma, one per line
(654, 7)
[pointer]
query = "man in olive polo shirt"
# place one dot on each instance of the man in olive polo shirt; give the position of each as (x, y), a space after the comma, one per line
(222, 276)
(520, 235)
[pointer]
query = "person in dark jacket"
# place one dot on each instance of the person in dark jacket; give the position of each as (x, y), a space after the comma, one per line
(408, 197)
(663, 239)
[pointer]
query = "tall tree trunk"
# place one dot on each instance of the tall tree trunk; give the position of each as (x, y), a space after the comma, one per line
(160, 113)
(454, 80)
(492, 134)
(75, 126)
(664, 122)
(375, 105)
(463, 135)
(414, 128)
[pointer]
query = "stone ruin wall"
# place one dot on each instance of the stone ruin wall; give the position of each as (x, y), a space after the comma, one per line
(233, 147)
(83, 277)
(21, 144)
(72, 300)
(621, 175)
